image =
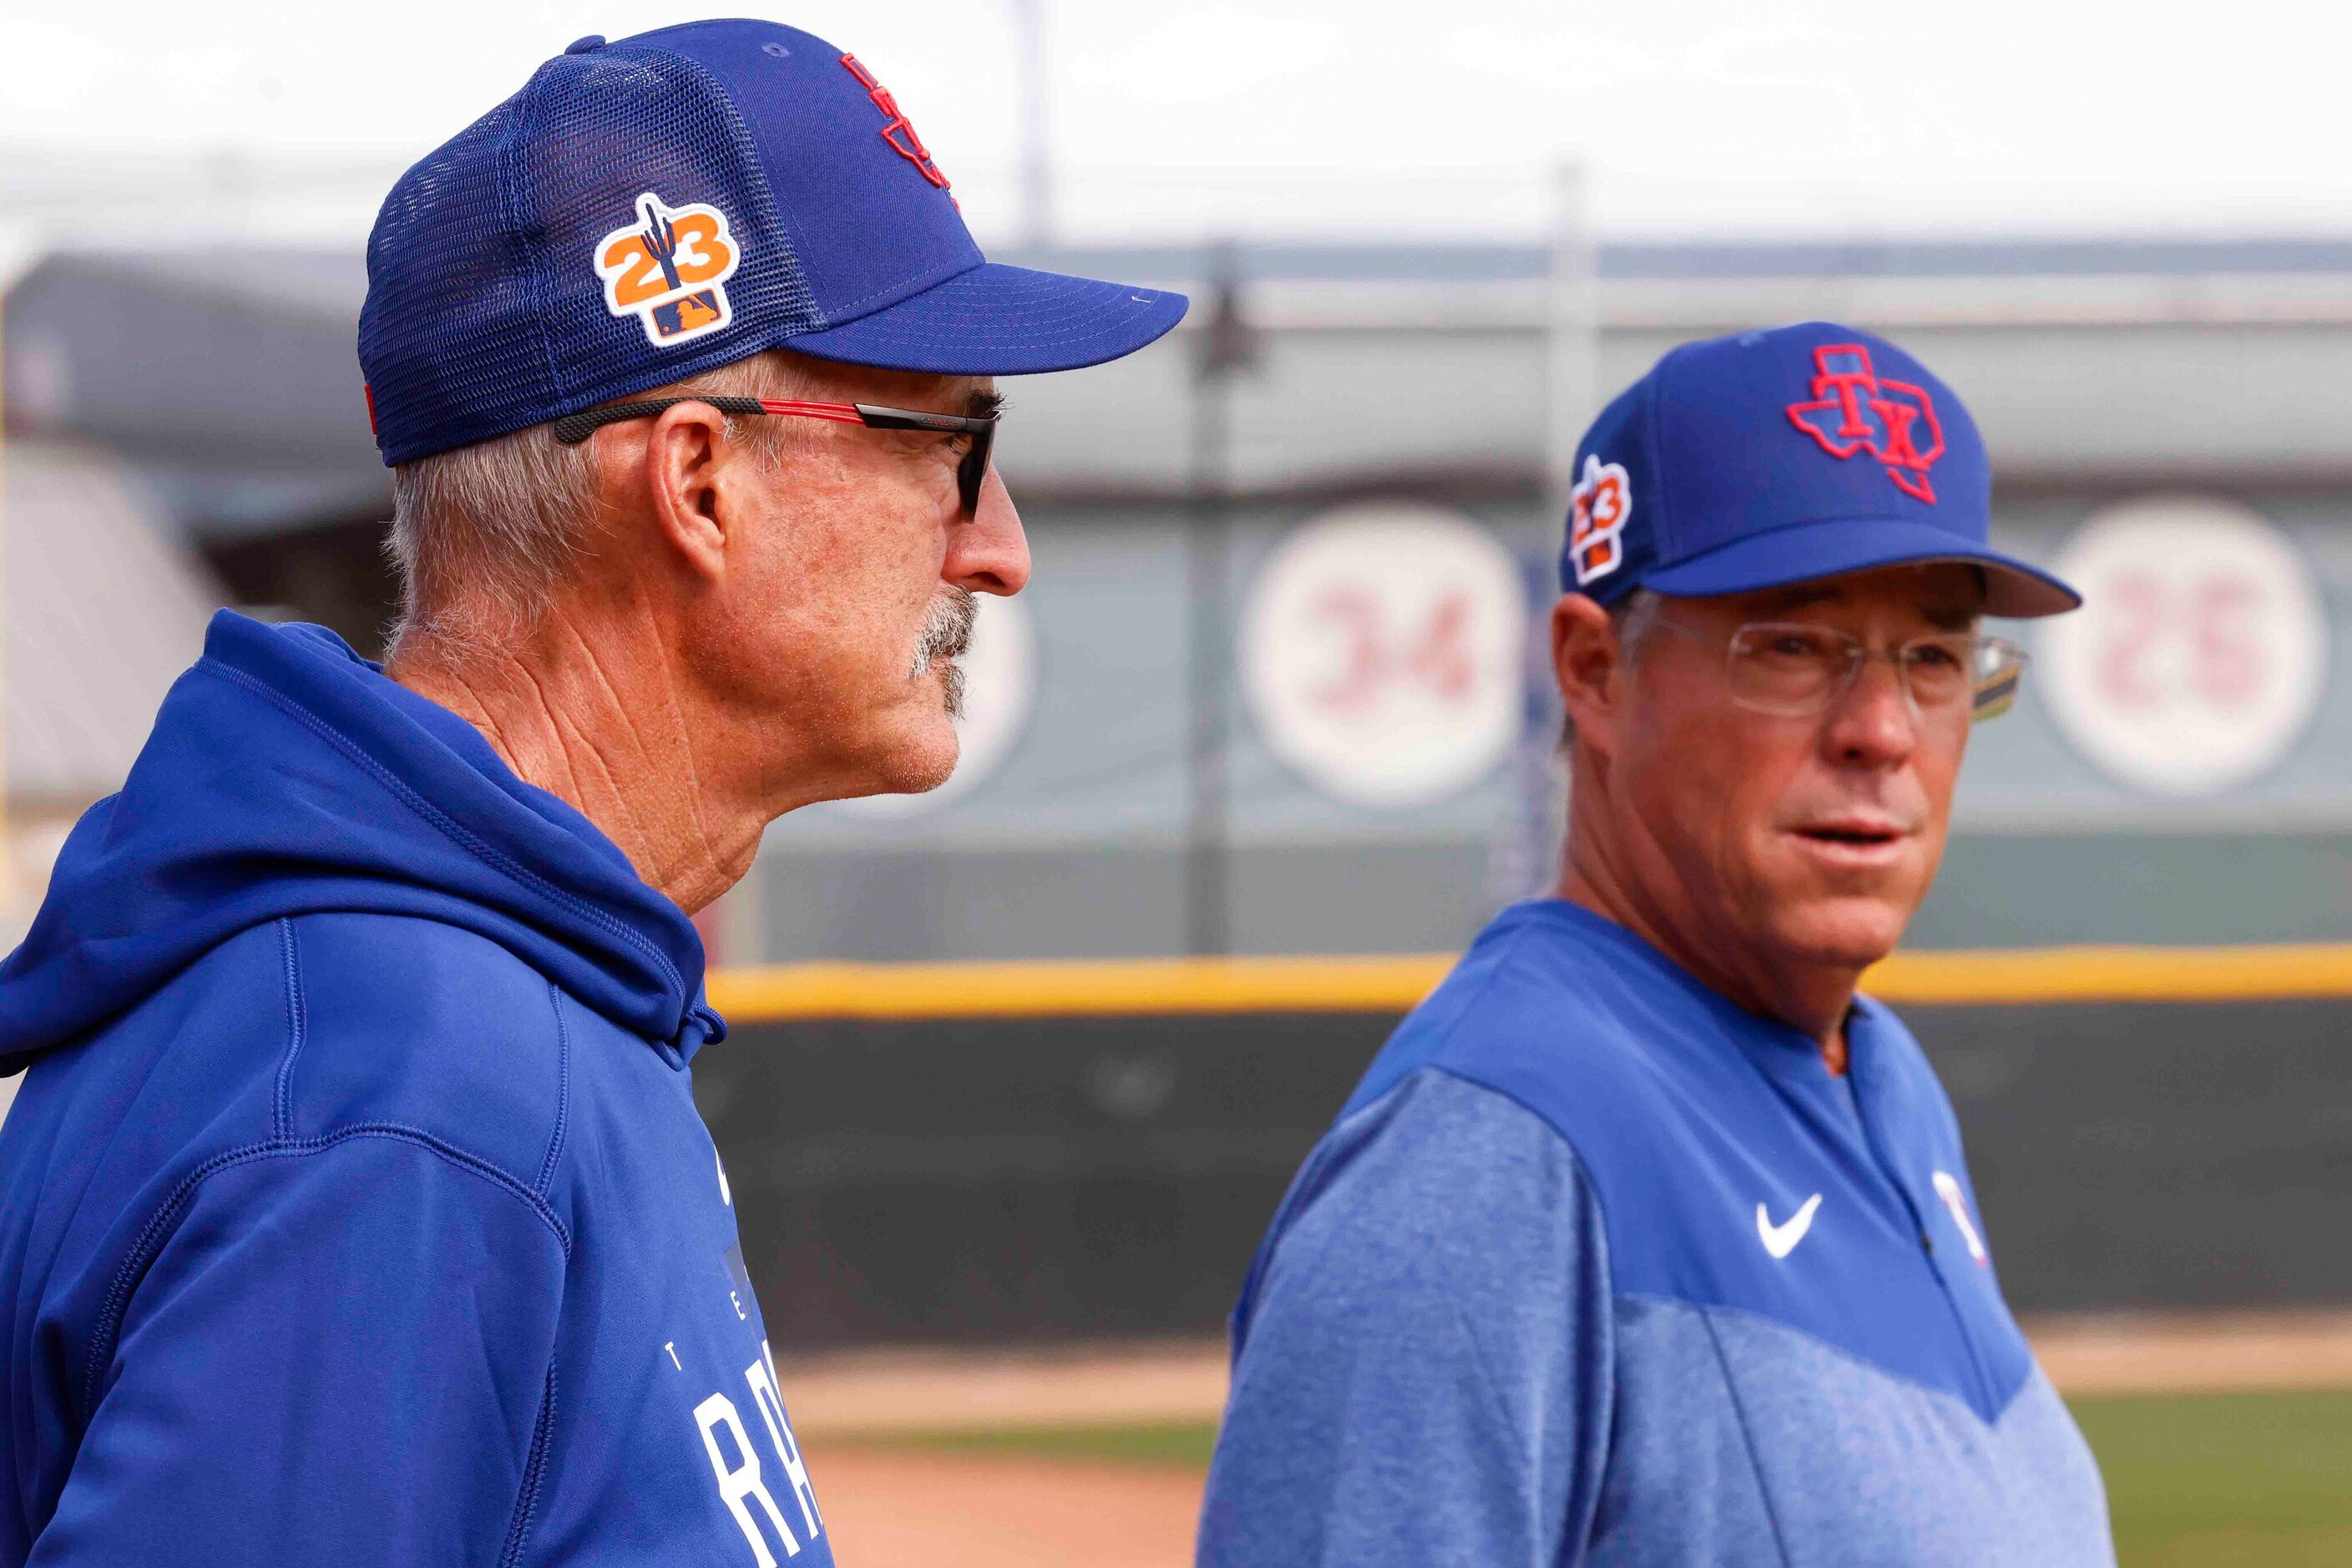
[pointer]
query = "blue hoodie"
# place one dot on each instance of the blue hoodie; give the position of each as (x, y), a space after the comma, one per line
(355, 1207)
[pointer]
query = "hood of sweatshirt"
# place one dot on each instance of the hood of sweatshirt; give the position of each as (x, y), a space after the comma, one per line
(288, 776)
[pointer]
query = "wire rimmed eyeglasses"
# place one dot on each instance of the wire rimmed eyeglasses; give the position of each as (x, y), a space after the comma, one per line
(972, 468)
(1796, 670)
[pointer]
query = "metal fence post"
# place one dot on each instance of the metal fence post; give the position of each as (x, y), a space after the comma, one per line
(1225, 350)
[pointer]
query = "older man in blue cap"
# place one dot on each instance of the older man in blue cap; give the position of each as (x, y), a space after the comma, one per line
(1648, 1240)
(355, 1208)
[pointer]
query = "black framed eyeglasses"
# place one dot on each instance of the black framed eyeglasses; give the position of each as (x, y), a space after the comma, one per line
(1796, 670)
(971, 469)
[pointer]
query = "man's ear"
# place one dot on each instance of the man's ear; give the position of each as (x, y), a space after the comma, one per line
(1587, 663)
(685, 455)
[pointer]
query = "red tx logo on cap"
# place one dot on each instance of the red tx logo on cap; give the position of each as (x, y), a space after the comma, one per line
(1855, 411)
(911, 149)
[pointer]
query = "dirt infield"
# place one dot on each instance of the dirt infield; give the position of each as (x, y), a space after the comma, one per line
(889, 1508)
(873, 1392)
(2213, 1352)
(867, 1393)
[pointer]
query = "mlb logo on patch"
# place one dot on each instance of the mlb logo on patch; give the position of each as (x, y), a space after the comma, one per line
(1601, 506)
(669, 268)
(682, 318)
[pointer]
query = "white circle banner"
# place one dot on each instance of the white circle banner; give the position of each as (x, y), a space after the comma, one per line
(1381, 652)
(2201, 650)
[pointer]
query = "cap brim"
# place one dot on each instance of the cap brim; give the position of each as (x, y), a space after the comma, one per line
(1815, 550)
(1002, 320)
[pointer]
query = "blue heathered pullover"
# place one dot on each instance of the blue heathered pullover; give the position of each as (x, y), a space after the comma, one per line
(1597, 1268)
(354, 1208)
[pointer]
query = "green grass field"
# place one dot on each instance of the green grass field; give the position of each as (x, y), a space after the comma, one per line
(2193, 1480)
(2226, 1477)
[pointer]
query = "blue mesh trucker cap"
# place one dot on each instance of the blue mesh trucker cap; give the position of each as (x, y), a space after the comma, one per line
(651, 208)
(1779, 457)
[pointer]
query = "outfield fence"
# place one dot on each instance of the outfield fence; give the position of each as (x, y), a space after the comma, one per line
(1036, 1152)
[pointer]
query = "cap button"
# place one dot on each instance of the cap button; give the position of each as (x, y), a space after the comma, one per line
(593, 42)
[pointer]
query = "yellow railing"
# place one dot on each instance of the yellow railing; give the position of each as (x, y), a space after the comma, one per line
(1146, 987)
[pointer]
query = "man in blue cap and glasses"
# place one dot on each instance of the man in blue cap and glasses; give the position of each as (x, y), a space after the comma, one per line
(354, 1208)
(1647, 1239)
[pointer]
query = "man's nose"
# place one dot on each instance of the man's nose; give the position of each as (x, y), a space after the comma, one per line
(989, 553)
(1873, 722)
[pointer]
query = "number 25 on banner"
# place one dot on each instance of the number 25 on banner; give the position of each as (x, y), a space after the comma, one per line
(2198, 656)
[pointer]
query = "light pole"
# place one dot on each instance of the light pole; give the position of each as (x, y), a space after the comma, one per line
(1035, 76)
(1521, 860)
(1225, 350)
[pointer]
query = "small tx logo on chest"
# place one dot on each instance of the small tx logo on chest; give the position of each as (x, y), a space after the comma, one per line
(1947, 1187)
(1781, 1240)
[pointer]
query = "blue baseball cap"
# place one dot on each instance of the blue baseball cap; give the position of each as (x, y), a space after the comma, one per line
(647, 209)
(1780, 456)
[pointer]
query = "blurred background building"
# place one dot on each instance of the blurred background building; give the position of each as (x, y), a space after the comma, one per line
(1188, 735)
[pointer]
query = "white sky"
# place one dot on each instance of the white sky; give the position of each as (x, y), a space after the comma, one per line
(1176, 117)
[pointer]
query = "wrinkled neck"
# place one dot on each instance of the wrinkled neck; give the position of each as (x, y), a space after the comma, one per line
(605, 725)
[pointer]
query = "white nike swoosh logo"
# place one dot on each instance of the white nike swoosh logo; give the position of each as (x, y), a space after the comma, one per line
(1780, 1240)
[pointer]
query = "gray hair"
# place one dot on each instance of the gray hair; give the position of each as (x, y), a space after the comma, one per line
(481, 535)
(1631, 617)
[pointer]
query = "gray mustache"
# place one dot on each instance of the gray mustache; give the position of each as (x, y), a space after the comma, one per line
(947, 629)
